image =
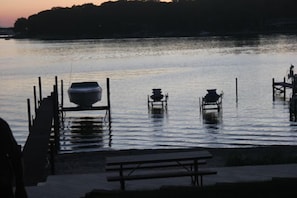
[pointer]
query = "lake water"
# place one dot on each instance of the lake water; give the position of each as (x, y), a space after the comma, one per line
(183, 67)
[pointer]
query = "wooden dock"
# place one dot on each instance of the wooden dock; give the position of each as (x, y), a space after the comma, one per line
(36, 148)
(279, 88)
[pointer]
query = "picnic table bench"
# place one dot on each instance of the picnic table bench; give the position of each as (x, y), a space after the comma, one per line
(165, 165)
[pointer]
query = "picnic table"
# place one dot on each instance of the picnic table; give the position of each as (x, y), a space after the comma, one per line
(173, 164)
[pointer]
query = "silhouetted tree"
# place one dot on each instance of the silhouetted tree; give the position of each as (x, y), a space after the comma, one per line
(21, 25)
(149, 18)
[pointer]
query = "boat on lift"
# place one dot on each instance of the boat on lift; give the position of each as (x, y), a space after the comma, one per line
(84, 94)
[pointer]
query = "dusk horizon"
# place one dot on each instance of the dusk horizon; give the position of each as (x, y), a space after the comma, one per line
(11, 10)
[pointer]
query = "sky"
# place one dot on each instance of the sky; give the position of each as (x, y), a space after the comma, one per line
(11, 10)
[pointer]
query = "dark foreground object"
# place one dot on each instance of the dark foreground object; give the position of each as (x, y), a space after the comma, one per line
(278, 187)
(11, 169)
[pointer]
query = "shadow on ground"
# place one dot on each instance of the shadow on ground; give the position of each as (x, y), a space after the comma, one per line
(278, 187)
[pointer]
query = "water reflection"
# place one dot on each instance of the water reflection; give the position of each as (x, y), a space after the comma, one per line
(245, 40)
(83, 133)
(157, 116)
(212, 120)
(132, 66)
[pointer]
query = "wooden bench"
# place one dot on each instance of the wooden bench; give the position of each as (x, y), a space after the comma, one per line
(165, 165)
(188, 164)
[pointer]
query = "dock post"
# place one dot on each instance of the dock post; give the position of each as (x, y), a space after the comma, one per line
(40, 89)
(29, 115)
(294, 85)
(35, 99)
(62, 93)
(291, 110)
(284, 89)
(108, 101)
(56, 100)
(273, 90)
(56, 82)
(56, 119)
(62, 101)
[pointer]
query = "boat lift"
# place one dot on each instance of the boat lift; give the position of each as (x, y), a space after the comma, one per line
(211, 101)
(157, 99)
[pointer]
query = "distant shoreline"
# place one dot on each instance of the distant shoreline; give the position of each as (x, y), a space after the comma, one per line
(153, 19)
(229, 34)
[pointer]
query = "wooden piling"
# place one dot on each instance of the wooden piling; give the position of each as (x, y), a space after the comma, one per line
(35, 99)
(273, 90)
(108, 101)
(56, 118)
(62, 93)
(284, 89)
(40, 89)
(29, 114)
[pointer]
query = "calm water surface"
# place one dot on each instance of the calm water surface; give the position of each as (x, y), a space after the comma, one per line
(183, 67)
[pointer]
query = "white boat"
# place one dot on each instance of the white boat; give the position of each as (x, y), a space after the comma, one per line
(84, 94)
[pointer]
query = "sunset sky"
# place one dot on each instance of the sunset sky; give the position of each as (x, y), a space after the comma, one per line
(11, 10)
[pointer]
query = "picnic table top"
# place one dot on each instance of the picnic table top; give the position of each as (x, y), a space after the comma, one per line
(158, 157)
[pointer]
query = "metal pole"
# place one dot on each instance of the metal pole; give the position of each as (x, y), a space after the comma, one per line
(236, 87)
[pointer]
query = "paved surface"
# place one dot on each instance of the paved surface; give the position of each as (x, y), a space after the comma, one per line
(75, 186)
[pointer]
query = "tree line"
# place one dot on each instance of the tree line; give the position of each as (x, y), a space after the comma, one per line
(153, 18)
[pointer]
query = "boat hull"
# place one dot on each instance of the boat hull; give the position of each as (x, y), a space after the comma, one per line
(84, 94)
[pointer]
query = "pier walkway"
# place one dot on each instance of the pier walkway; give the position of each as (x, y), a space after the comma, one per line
(35, 152)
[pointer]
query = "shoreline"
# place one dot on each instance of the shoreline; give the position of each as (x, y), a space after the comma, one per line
(94, 162)
(240, 34)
